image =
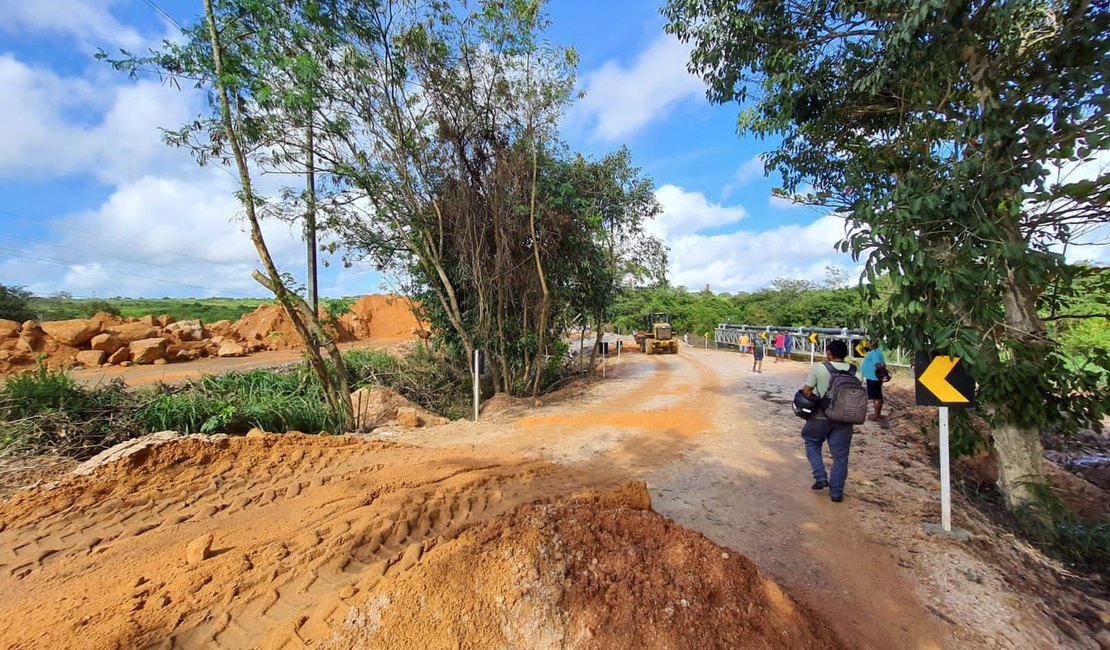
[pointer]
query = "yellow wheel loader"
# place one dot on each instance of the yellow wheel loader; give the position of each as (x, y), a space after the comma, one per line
(657, 337)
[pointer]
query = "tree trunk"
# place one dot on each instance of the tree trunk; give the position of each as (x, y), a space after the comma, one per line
(1017, 448)
(307, 323)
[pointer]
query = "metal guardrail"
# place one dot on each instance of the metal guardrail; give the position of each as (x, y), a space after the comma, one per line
(727, 336)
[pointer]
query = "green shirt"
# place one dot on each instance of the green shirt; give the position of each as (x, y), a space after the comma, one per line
(819, 376)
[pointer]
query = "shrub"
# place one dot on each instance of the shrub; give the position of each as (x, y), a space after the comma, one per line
(423, 376)
(14, 304)
(48, 412)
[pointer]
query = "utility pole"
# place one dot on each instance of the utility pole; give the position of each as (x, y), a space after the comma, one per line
(310, 216)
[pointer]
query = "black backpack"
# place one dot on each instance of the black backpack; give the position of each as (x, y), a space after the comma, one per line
(846, 399)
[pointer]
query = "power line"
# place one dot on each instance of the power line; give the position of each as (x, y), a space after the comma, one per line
(90, 233)
(153, 5)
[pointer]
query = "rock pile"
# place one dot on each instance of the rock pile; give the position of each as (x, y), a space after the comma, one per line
(107, 340)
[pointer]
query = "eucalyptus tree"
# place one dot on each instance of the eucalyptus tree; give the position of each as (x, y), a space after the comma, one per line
(944, 132)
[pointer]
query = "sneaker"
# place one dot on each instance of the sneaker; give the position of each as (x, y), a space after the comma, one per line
(837, 498)
(820, 485)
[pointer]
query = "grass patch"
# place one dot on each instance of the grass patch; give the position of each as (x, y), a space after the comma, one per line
(239, 401)
(1048, 523)
(208, 310)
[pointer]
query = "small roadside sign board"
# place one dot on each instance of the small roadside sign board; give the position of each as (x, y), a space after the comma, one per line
(813, 338)
(861, 348)
(942, 381)
(763, 335)
(603, 348)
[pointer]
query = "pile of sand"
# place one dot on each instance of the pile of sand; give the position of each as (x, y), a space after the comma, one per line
(272, 540)
(603, 572)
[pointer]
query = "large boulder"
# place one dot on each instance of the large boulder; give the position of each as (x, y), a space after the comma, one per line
(9, 329)
(220, 328)
(91, 358)
(128, 333)
(105, 320)
(165, 320)
(148, 350)
(149, 321)
(107, 343)
(185, 330)
(120, 356)
(230, 348)
(73, 333)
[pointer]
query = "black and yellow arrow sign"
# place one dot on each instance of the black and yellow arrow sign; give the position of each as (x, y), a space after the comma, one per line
(861, 348)
(763, 335)
(813, 338)
(942, 381)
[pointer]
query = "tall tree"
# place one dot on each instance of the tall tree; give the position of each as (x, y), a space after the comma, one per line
(256, 58)
(939, 129)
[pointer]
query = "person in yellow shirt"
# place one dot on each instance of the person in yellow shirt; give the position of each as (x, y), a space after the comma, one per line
(745, 341)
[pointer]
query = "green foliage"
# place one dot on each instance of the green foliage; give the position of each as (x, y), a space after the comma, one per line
(237, 402)
(943, 132)
(1050, 524)
(426, 377)
(208, 310)
(48, 412)
(14, 304)
(697, 313)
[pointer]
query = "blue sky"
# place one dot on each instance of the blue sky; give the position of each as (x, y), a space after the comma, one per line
(92, 202)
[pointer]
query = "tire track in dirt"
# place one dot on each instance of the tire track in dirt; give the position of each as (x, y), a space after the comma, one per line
(300, 523)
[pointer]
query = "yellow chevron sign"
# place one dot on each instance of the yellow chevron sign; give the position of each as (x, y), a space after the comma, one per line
(943, 381)
(861, 348)
(813, 338)
(763, 335)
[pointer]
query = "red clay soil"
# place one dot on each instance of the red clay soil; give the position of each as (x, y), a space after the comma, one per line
(588, 574)
(268, 540)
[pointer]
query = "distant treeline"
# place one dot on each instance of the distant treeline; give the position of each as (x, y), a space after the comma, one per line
(792, 303)
(19, 305)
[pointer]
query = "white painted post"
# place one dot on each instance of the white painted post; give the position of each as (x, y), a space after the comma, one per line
(476, 367)
(812, 352)
(945, 487)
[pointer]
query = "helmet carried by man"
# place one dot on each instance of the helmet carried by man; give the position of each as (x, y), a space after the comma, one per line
(803, 406)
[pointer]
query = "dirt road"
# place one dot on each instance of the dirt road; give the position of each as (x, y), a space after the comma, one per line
(280, 541)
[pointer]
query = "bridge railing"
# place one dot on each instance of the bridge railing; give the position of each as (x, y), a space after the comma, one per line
(728, 335)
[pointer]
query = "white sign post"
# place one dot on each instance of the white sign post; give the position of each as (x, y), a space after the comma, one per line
(477, 367)
(945, 475)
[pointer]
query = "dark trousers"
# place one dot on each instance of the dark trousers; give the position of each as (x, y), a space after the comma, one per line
(839, 436)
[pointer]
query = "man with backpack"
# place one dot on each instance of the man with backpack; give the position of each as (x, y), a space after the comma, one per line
(844, 404)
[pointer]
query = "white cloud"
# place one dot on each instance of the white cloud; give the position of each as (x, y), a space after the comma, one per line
(117, 137)
(744, 175)
(619, 101)
(685, 213)
(750, 260)
(743, 260)
(89, 23)
(156, 236)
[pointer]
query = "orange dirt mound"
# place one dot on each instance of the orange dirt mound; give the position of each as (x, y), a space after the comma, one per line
(582, 576)
(381, 317)
(265, 541)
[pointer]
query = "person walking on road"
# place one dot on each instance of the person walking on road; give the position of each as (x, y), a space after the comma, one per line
(759, 348)
(780, 346)
(818, 429)
(875, 372)
(745, 341)
(686, 338)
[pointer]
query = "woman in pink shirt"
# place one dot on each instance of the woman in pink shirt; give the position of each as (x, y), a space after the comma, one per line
(780, 346)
